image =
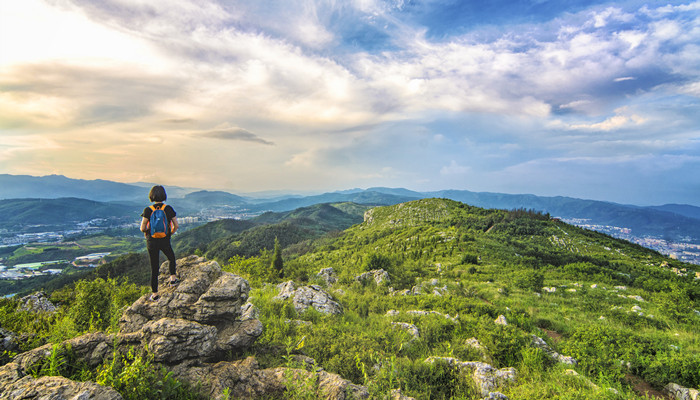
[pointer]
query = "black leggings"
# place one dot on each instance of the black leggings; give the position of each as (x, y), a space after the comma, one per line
(155, 246)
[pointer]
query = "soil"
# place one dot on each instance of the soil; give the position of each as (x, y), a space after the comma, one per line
(556, 336)
(643, 388)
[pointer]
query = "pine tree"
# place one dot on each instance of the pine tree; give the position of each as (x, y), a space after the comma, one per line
(277, 264)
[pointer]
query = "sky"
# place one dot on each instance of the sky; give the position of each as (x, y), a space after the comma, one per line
(590, 99)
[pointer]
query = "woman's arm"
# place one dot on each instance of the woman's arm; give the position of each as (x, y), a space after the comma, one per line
(144, 226)
(175, 225)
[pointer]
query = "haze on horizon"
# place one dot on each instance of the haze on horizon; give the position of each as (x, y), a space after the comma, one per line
(589, 99)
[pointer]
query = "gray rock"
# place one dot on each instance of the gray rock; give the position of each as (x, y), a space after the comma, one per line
(486, 377)
(37, 302)
(308, 296)
(678, 392)
(378, 275)
(249, 311)
(8, 341)
(16, 385)
(205, 294)
(196, 322)
(501, 320)
(174, 340)
(328, 275)
(410, 328)
(539, 343)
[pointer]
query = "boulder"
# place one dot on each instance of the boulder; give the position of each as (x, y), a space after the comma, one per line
(15, 384)
(37, 302)
(379, 276)
(328, 276)
(486, 377)
(243, 379)
(308, 296)
(678, 392)
(501, 320)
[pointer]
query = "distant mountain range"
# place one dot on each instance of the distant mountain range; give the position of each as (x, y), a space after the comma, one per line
(672, 221)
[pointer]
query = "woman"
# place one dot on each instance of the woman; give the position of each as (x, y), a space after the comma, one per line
(155, 245)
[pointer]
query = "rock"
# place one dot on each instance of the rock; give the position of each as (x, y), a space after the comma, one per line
(199, 321)
(51, 388)
(328, 275)
(174, 340)
(484, 375)
(249, 311)
(412, 329)
(8, 341)
(539, 343)
(205, 294)
(636, 309)
(378, 275)
(308, 296)
(678, 392)
(637, 298)
(392, 313)
(244, 380)
(501, 320)
(549, 289)
(36, 302)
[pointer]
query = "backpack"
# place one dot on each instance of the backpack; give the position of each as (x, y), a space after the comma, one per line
(160, 227)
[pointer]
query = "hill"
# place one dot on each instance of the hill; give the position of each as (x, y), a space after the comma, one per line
(444, 300)
(21, 214)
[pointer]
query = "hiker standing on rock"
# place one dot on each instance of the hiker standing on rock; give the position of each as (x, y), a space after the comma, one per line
(158, 224)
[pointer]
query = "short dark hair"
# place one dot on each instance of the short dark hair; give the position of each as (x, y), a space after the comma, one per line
(157, 193)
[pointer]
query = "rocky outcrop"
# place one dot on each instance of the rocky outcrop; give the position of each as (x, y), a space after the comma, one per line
(198, 321)
(190, 330)
(308, 296)
(36, 302)
(379, 276)
(328, 275)
(8, 341)
(54, 388)
(678, 392)
(486, 378)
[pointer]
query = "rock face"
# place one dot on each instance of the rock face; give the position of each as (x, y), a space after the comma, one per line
(308, 296)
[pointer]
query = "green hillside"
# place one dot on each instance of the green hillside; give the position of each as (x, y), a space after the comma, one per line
(627, 314)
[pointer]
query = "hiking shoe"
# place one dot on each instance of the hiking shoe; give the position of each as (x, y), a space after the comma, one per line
(155, 296)
(174, 282)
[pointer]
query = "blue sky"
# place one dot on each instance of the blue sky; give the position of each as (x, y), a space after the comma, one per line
(591, 99)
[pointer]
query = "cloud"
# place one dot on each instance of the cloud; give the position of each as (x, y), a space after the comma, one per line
(233, 134)
(454, 169)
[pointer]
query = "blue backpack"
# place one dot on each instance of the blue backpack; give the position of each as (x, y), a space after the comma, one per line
(160, 227)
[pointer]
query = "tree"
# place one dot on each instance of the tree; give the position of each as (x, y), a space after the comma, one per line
(277, 264)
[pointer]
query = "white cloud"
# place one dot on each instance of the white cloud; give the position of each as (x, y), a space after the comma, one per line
(454, 169)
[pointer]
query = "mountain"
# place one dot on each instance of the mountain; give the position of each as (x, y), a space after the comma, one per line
(20, 214)
(57, 186)
(227, 238)
(433, 297)
(680, 209)
(364, 197)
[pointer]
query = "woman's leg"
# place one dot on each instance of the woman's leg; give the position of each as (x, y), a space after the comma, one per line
(153, 255)
(167, 249)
